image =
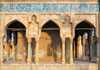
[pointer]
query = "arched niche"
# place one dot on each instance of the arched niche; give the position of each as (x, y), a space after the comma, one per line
(50, 42)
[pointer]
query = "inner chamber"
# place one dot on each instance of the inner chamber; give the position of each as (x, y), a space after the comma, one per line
(50, 43)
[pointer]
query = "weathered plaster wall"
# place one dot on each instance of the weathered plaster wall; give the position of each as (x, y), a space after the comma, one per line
(90, 18)
(10, 18)
(50, 46)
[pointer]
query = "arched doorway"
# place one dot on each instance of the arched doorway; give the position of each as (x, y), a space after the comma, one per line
(83, 34)
(18, 40)
(50, 43)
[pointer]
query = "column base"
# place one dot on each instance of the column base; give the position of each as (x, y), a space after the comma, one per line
(36, 61)
(71, 61)
(63, 61)
(83, 57)
(7, 58)
(97, 60)
(29, 61)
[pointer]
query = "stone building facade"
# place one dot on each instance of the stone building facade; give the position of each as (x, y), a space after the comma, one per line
(49, 31)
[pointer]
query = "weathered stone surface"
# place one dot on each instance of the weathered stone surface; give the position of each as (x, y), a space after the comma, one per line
(84, 67)
(71, 67)
(33, 14)
(48, 67)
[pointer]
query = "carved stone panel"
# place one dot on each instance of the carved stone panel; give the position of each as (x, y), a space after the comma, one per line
(32, 30)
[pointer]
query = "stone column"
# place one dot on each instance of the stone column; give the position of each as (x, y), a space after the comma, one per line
(97, 45)
(74, 49)
(83, 43)
(37, 50)
(29, 51)
(79, 47)
(20, 46)
(1, 49)
(63, 50)
(90, 41)
(8, 44)
(71, 50)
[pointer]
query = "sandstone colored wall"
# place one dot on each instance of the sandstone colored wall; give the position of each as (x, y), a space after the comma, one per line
(50, 46)
(49, 67)
(67, 49)
(66, 29)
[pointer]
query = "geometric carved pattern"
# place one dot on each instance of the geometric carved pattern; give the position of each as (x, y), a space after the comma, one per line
(49, 7)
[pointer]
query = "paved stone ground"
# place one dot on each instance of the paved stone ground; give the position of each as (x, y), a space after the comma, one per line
(76, 61)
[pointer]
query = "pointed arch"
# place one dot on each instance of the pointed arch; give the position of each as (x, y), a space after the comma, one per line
(85, 24)
(15, 24)
(50, 24)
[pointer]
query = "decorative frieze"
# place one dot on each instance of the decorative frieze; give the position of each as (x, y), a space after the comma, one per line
(49, 7)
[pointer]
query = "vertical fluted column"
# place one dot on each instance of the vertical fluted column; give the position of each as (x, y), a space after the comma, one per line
(29, 51)
(37, 50)
(71, 50)
(90, 41)
(8, 44)
(63, 50)
(83, 43)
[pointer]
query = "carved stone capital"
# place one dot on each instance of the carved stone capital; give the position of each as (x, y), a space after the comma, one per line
(37, 39)
(71, 40)
(29, 40)
(63, 40)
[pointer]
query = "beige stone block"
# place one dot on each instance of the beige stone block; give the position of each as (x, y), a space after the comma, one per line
(12, 67)
(85, 67)
(48, 67)
(54, 67)
(78, 67)
(41, 67)
(20, 67)
(34, 67)
(71, 67)
(4, 67)
(62, 67)
(93, 67)
(26, 67)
